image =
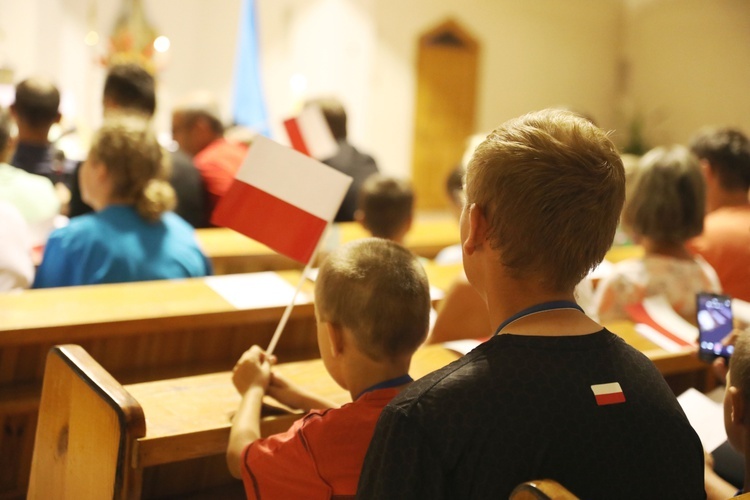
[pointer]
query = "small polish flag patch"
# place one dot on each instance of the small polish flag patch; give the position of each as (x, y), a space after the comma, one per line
(608, 394)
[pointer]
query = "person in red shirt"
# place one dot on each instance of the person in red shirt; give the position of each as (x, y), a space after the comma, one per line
(724, 154)
(197, 128)
(372, 307)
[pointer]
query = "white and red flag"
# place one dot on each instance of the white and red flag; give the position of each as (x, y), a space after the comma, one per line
(310, 134)
(657, 321)
(608, 394)
(282, 199)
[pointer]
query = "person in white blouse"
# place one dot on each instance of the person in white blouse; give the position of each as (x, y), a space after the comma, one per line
(16, 266)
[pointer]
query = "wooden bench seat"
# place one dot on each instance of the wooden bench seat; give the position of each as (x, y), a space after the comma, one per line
(96, 437)
(231, 252)
(137, 332)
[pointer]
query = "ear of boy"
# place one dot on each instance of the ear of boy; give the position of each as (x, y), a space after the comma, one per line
(477, 229)
(739, 407)
(340, 353)
(336, 338)
(359, 216)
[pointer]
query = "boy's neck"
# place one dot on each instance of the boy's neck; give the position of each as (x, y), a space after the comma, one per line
(33, 135)
(722, 198)
(507, 296)
(362, 373)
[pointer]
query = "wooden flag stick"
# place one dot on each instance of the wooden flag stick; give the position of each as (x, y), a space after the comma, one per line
(288, 310)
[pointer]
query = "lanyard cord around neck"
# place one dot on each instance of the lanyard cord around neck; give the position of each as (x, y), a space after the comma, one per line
(539, 308)
(387, 384)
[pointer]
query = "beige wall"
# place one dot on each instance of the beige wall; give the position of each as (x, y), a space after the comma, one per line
(688, 66)
(534, 54)
(679, 63)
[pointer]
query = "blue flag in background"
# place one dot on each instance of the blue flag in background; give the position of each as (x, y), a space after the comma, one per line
(249, 108)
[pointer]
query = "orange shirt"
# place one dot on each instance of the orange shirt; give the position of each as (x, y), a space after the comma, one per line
(725, 244)
(320, 456)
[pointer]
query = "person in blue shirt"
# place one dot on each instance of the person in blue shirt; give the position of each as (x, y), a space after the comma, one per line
(132, 235)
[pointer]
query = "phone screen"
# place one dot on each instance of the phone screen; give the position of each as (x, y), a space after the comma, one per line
(715, 322)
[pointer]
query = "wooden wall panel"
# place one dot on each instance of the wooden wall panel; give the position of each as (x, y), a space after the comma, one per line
(446, 95)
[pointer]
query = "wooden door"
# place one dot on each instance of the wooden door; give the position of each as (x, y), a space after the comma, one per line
(444, 118)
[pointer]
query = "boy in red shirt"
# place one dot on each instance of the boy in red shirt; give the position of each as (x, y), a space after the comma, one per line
(372, 307)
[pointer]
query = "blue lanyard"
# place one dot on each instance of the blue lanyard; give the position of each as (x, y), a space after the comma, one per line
(538, 308)
(387, 384)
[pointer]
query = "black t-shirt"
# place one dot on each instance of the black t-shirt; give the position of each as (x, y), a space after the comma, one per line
(46, 160)
(359, 167)
(519, 408)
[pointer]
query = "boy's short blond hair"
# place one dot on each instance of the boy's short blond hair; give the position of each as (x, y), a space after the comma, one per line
(378, 290)
(387, 205)
(667, 201)
(551, 186)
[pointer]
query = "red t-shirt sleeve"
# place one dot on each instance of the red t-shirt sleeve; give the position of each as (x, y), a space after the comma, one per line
(280, 466)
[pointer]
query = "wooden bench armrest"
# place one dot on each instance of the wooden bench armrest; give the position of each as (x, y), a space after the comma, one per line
(541, 489)
(87, 426)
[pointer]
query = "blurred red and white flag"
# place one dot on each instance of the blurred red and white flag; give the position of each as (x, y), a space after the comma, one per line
(282, 199)
(656, 320)
(310, 134)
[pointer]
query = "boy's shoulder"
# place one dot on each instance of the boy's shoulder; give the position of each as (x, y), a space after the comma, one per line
(459, 377)
(505, 362)
(351, 417)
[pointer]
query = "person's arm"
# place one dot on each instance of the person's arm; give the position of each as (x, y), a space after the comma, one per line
(251, 377)
(294, 396)
(610, 298)
(716, 487)
(462, 314)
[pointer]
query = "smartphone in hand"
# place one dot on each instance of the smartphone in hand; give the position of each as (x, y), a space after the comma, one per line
(715, 323)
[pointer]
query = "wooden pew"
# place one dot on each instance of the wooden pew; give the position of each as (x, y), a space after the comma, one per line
(231, 252)
(620, 253)
(98, 439)
(681, 370)
(541, 489)
(156, 330)
(137, 332)
(136, 326)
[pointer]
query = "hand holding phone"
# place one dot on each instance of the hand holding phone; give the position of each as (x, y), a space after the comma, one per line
(715, 324)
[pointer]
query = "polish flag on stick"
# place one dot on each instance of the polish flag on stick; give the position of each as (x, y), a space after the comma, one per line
(608, 394)
(310, 134)
(284, 200)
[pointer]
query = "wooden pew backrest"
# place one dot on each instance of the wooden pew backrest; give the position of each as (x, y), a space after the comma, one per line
(86, 429)
(541, 489)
